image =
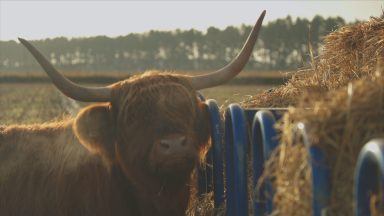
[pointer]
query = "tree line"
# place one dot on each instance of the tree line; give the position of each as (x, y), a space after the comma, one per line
(282, 45)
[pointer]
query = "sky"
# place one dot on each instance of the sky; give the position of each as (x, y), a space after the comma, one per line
(45, 19)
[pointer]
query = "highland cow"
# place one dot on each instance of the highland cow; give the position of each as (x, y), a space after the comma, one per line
(131, 154)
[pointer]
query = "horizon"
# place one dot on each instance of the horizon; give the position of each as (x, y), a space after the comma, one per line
(204, 31)
(160, 16)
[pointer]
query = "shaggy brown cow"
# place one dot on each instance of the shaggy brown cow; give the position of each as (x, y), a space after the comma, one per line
(132, 155)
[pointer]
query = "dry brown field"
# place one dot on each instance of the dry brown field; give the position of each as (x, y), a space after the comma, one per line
(36, 102)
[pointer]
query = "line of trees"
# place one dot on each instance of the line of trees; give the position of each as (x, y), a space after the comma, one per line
(282, 45)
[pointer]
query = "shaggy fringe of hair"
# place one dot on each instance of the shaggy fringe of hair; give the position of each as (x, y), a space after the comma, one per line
(55, 124)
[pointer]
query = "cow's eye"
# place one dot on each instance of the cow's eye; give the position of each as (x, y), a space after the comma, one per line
(164, 129)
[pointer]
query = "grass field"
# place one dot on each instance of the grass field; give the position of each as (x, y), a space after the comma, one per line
(227, 94)
(26, 103)
(30, 103)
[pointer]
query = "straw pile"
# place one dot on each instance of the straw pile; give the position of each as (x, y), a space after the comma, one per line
(340, 122)
(341, 102)
(203, 206)
(348, 54)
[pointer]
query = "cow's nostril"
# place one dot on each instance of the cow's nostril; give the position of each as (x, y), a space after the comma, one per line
(183, 141)
(173, 145)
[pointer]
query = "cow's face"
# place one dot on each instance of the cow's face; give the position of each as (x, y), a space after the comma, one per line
(161, 125)
(155, 125)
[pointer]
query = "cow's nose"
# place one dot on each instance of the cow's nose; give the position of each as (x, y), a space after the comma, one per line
(173, 145)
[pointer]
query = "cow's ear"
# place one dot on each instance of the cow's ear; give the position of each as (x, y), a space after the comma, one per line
(94, 126)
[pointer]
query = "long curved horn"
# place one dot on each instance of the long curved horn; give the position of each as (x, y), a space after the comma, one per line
(233, 68)
(67, 87)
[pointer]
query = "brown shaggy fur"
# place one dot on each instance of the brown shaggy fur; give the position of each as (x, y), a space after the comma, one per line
(101, 163)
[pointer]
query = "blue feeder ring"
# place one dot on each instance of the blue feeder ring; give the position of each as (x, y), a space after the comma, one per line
(369, 175)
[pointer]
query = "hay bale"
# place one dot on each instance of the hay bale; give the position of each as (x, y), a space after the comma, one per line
(348, 54)
(341, 118)
(340, 122)
(203, 206)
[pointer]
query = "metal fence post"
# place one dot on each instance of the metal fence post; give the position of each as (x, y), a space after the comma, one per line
(369, 176)
(321, 186)
(263, 142)
(217, 152)
(236, 141)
